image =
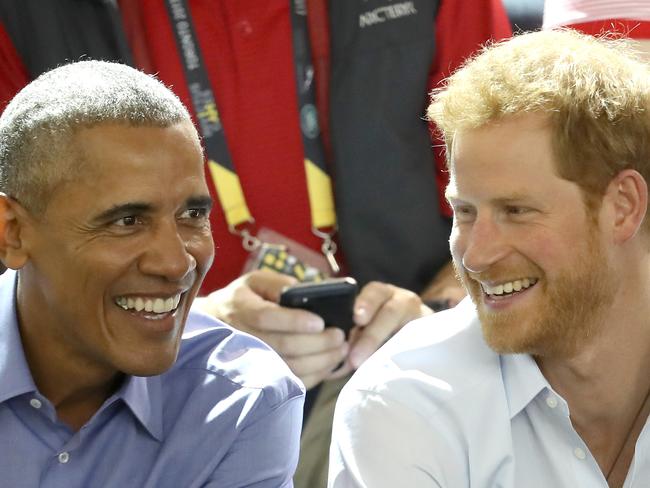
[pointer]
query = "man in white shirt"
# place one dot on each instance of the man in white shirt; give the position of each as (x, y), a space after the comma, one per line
(541, 377)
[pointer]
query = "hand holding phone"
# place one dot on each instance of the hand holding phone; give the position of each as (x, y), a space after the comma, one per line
(331, 299)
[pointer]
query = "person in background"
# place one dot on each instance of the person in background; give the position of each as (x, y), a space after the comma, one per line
(274, 108)
(628, 18)
(540, 377)
(106, 232)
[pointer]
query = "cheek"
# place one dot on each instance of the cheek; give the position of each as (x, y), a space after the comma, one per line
(551, 250)
(202, 248)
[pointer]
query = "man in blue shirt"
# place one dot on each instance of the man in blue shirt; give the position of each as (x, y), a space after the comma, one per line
(104, 218)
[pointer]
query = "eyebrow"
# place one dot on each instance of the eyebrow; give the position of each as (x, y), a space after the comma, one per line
(203, 201)
(514, 197)
(138, 208)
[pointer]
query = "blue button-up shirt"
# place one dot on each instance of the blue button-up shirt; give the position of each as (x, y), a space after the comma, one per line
(227, 414)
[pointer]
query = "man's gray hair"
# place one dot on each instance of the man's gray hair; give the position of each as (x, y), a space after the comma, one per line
(38, 125)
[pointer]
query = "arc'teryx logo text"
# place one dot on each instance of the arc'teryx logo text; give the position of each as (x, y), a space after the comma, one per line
(386, 13)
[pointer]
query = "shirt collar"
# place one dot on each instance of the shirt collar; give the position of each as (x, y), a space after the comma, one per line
(522, 379)
(143, 396)
(15, 376)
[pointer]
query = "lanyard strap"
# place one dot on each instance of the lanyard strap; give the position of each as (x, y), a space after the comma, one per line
(319, 185)
(220, 163)
(222, 169)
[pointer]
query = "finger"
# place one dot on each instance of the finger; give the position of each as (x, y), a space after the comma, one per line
(343, 370)
(318, 365)
(293, 346)
(402, 307)
(270, 317)
(268, 283)
(370, 300)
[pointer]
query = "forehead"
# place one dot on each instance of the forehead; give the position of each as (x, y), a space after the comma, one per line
(111, 162)
(512, 155)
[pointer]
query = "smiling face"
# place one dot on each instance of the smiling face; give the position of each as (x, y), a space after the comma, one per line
(529, 253)
(118, 256)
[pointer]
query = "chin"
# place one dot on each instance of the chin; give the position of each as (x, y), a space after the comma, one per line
(150, 364)
(509, 333)
(150, 370)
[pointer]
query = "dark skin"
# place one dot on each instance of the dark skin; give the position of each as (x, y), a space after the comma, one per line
(102, 240)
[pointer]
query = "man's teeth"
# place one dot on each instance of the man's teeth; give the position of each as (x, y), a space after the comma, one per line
(155, 305)
(509, 287)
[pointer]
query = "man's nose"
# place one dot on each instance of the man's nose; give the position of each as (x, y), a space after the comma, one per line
(485, 245)
(167, 255)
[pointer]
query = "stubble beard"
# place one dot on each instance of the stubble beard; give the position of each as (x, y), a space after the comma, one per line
(567, 315)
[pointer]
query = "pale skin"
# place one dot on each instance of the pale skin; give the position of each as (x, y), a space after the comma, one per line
(605, 380)
(312, 351)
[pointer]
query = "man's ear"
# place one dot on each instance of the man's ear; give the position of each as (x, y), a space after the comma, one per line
(627, 194)
(12, 250)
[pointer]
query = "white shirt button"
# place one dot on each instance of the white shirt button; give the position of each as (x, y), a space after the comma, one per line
(551, 401)
(579, 453)
(64, 457)
(36, 403)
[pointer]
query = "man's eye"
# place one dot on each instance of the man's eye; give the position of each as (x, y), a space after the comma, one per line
(194, 213)
(516, 210)
(127, 221)
(463, 213)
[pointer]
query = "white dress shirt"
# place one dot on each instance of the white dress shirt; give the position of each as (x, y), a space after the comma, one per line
(436, 407)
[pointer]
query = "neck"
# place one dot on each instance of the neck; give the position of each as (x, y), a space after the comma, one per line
(76, 386)
(75, 392)
(606, 384)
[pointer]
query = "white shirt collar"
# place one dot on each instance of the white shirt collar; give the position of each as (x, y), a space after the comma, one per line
(522, 380)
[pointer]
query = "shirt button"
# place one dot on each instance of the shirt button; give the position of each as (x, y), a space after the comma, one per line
(64, 457)
(551, 401)
(36, 403)
(579, 453)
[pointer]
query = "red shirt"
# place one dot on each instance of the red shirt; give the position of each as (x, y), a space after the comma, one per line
(247, 51)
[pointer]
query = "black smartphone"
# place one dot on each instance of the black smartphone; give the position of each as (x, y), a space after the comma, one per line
(332, 299)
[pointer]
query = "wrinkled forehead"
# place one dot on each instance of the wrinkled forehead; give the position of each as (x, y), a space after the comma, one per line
(116, 160)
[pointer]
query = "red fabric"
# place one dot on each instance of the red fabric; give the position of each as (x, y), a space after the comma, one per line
(247, 51)
(13, 74)
(634, 29)
(132, 22)
(462, 26)
(253, 79)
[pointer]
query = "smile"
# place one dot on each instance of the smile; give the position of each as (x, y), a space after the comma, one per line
(508, 287)
(158, 305)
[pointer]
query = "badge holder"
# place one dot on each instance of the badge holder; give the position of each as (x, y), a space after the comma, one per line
(271, 250)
